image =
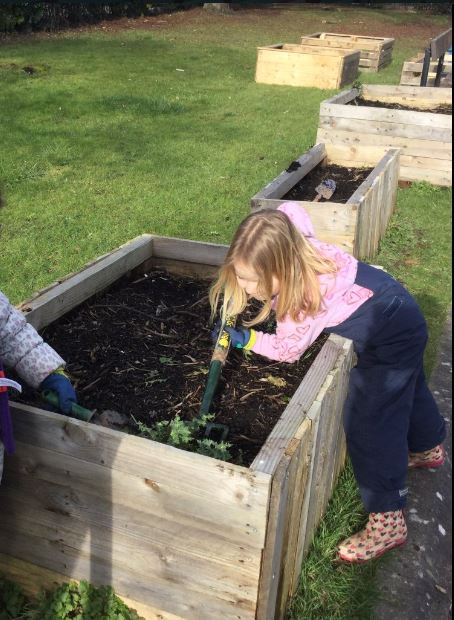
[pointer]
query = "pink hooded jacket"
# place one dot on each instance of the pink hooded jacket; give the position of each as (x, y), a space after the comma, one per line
(341, 297)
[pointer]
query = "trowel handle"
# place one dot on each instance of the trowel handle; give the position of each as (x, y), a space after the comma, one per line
(221, 348)
(77, 411)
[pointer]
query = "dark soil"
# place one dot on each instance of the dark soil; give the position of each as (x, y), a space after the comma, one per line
(143, 349)
(347, 182)
(441, 109)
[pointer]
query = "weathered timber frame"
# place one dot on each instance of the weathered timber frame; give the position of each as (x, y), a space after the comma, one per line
(376, 52)
(297, 65)
(178, 535)
(357, 225)
(436, 50)
(412, 71)
(425, 138)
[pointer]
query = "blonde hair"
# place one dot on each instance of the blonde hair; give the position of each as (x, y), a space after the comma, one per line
(269, 243)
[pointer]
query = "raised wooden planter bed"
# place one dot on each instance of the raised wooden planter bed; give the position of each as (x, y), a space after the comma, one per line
(376, 52)
(178, 535)
(412, 70)
(424, 137)
(357, 225)
(297, 65)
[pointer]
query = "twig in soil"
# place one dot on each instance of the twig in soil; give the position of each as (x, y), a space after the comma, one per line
(275, 398)
(250, 394)
(184, 399)
(185, 312)
(247, 439)
(199, 301)
(160, 334)
(90, 385)
(122, 307)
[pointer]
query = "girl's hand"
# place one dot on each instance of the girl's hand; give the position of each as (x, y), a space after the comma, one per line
(242, 338)
(58, 381)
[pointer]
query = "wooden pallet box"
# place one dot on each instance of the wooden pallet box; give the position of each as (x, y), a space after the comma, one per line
(357, 225)
(375, 52)
(424, 137)
(180, 536)
(412, 71)
(297, 65)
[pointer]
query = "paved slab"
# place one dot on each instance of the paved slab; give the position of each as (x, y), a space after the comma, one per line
(415, 581)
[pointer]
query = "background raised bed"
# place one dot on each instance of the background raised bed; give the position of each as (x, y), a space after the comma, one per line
(296, 65)
(424, 137)
(412, 71)
(180, 535)
(376, 52)
(358, 224)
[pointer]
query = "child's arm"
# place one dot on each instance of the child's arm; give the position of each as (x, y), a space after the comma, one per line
(290, 340)
(22, 348)
(286, 345)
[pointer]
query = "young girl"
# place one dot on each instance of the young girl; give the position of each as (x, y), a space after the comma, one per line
(391, 420)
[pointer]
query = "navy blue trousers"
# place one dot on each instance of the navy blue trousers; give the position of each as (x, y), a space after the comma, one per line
(389, 409)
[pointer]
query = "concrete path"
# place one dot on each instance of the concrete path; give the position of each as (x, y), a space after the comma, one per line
(415, 581)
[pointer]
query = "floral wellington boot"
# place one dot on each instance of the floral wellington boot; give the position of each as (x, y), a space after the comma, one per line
(384, 531)
(430, 458)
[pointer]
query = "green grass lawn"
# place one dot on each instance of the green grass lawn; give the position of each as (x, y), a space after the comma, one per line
(164, 130)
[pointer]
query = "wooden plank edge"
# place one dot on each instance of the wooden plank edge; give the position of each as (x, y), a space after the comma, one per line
(33, 579)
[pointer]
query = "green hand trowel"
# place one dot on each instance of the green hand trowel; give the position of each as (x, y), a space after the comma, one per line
(77, 411)
(218, 358)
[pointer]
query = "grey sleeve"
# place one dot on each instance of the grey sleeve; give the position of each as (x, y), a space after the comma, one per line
(22, 348)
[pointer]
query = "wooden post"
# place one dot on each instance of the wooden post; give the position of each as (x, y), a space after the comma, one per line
(439, 70)
(425, 67)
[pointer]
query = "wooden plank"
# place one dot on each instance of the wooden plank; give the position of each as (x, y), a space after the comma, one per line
(359, 149)
(431, 175)
(446, 82)
(349, 41)
(119, 499)
(188, 251)
(300, 450)
(70, 479)
(440, 44)
(54, 301)
(159, 593)
(377, 215)
(272, 556)
(333, 222)
(415, 161)
(342, 98)
(321, 413)
(370, 205)
(316, 493)
(119, 556)
(383, 115)
(339, 445)
(328, 419)
(273, 449)
(164, 470)
(327, 51)
(350, 70)
(33, 579)
(286, 180)
(404, 130)
(416, 66)
(362, 155)
(427, 96)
